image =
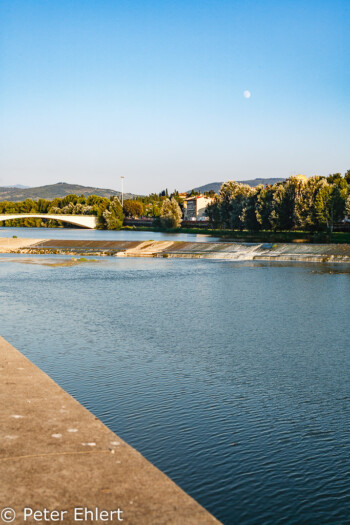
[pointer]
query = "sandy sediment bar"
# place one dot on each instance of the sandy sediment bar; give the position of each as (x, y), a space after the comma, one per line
(205, 250)
(55, 454)
(9, 245)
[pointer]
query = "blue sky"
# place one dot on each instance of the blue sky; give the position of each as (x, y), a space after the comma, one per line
(153, 90)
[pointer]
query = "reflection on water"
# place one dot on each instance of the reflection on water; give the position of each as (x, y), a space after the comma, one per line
(230, 377)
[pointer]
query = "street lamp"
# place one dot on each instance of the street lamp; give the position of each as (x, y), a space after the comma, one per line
(122, 179)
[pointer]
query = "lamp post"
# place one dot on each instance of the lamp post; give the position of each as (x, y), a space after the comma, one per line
(122, 179)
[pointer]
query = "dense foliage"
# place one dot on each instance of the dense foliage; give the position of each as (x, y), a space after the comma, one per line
(133, 208)
(108, 211)
(170, 214)
(313, 204)
(111, 218)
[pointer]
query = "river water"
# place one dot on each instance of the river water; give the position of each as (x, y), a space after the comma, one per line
(232, 378)
(102, 235)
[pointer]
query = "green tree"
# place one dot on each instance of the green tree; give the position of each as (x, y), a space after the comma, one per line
(43, 205)
(266, 198)
(334, 178)
(330, 204)
(111, 218)
(170, 214)
(347, 205)
(133, 208)
(234, 202)
(213, 213)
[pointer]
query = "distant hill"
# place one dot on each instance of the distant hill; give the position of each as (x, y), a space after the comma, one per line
(16, 186)
(254, 182)
(52, 191)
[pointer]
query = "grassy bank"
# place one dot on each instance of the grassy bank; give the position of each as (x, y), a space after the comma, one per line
(261, 236)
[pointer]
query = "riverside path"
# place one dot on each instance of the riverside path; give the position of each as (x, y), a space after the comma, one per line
(59, 460)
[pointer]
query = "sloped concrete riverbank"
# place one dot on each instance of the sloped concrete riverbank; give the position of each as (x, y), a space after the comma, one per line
(207, 250)
(56, 455)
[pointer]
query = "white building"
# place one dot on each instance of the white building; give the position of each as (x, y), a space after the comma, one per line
(194, 207)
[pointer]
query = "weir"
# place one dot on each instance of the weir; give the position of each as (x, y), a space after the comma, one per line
(59, 460)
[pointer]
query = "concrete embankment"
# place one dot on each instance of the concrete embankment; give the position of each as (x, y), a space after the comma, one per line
(55, 455)
(207, 250)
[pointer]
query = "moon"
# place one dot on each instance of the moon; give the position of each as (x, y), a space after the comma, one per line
(247, 94)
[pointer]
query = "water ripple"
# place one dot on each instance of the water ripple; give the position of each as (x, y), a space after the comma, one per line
(232, 379)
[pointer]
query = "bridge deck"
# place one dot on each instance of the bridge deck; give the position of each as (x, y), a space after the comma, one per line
(84, 221)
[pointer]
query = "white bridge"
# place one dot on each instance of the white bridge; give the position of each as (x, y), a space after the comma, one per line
(85, 221)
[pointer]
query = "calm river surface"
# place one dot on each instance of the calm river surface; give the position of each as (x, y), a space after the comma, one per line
(233, 378)
(102, 235)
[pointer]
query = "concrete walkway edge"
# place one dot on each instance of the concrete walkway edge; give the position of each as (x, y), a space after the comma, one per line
(56, 455)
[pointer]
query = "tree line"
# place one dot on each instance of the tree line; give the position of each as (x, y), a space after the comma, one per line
(110, 213)
(313, 204)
